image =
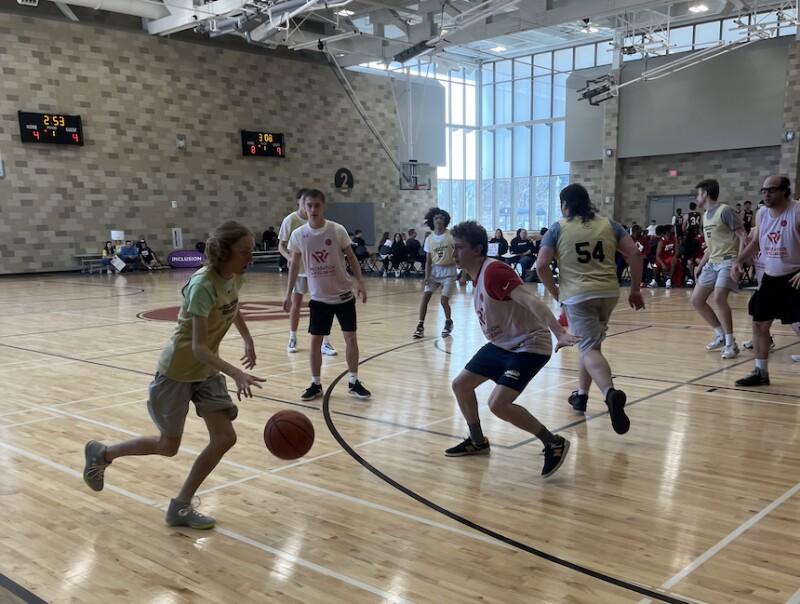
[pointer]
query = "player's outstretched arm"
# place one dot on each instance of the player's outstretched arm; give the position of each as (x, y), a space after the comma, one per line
(525, 297)
(205, 355)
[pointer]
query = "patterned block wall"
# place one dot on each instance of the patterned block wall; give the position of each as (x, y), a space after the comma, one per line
(740, 173)
(791, 114)
(137, 93)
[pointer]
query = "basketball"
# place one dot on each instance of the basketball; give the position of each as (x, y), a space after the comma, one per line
(289, 434)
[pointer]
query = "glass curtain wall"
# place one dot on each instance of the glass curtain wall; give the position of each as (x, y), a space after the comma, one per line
(506, 127)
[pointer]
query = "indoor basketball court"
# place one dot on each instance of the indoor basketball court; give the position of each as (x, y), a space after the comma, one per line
(697, 503)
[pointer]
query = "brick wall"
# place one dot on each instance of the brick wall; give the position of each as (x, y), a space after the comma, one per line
(740, 173)
(136, 93)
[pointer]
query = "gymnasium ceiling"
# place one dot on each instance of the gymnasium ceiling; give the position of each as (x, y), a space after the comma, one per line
(450, 33)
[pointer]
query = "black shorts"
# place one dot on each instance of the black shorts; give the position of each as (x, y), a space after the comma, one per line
(512, 369)
(322, 314)
(776, 299)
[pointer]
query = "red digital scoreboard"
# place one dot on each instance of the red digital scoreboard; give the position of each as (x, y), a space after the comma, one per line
(53, 128)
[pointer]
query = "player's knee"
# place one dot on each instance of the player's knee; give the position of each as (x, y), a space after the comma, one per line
(169, 447)
(499, 407)
(225, 441)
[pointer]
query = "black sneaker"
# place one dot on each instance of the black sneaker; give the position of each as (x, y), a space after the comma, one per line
(754, 379)
(419, 332)
(357, 390)
(615, 401)
(468, 447)
(578, 401)
(448, 328)
(312, 392)
(554, 455)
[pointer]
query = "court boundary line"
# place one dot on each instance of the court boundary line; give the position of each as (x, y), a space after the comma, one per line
(609, 579)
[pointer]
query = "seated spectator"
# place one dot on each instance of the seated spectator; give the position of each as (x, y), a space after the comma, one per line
(414, 247)
(651, 230)
(269, 239)
(643, 246)
(502, 244)
(147, 256)
(522, 249)
(668, 261)
(397, 254)
(130, 256)
(693, 250)
(108, 253)
(359, 245)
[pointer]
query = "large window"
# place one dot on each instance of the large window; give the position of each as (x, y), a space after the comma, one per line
(506, 126)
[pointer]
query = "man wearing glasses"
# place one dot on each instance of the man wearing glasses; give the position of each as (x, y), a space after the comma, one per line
(777, 236)
(725, 237)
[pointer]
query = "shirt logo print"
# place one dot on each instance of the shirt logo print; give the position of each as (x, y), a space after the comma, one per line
(320, 257)
(774, 237)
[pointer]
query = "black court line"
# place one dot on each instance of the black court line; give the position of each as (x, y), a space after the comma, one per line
(19, 591)
(644, 591)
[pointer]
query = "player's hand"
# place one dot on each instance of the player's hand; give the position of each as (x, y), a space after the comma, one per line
(635, 300)
(795, 281)
(249, 358)
(736, 271)
(697, 270)
(362, 291)
(244, 381)
(566, 339)
(287, 303)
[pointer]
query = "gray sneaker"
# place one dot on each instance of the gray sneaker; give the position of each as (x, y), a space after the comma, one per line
(184, 514)
(96, 465)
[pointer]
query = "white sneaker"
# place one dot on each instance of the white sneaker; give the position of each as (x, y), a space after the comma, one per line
(328, 349)
(396, 274)
(385, 274)
(292, 345)
(653, 283)
(668, 285)
(749, 344)
(796, 358)
(689, 282)
(730, 352)
(717, 342)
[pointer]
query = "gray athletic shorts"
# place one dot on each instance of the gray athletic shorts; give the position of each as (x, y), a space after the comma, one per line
(301, 285)
(169, 401)
(589, 319)
(444, 276)
(718, 274)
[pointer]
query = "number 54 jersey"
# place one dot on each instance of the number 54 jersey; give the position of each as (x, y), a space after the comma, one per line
(586, 257)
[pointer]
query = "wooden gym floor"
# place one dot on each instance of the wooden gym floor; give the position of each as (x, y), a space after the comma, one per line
(699, 502)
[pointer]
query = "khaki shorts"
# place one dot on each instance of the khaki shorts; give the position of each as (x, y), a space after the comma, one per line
(169, 401)
(718, 274)
(589, 319)
(444, 276)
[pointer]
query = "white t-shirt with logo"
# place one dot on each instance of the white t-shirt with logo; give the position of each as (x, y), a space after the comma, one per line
(322, 251)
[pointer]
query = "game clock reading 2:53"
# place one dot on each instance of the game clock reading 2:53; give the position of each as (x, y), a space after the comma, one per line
(269, 144)
(54, 128)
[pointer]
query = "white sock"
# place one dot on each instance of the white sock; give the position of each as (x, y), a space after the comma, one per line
(728, 339)
(581, 391)
(719, 331)
(353, 377)
(761, 365)
(325, 341)
(315, 380)
(292, 334)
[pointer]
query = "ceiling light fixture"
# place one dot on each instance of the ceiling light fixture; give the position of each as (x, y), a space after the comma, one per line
(499, 49)
(345, 13)
(588, 28)
(698, 8)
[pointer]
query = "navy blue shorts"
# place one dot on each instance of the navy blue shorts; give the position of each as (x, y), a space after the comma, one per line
(511, 369)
